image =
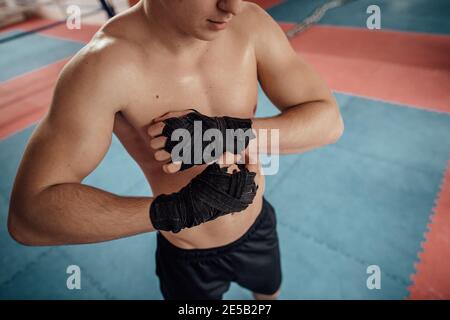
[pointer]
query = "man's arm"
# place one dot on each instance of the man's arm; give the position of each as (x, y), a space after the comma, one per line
(49, 205)
(309, 116)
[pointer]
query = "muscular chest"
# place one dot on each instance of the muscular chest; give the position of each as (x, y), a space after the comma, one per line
(223, 82)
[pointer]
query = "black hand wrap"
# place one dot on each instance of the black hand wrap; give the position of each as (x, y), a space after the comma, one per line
(234, 143)
(211, 194)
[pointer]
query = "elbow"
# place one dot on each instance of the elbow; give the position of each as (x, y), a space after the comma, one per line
(19, 232)
(335, 123)
(337, 132)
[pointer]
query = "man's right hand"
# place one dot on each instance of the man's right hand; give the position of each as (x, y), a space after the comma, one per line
(213, 193)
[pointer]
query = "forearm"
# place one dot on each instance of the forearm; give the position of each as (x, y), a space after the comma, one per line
(301, 127)
(73, 213)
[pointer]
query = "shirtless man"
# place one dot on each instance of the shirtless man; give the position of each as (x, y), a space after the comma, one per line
(159, 57)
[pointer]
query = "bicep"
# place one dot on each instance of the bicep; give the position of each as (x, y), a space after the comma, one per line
(70, 141)
(284, 75)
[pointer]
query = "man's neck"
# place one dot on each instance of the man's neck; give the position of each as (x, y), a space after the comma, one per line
(166, 33)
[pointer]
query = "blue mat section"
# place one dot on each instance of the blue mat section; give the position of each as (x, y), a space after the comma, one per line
(402, 15)
(363, 201)
(32, 52)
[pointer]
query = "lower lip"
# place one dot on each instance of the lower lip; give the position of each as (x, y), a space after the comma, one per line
(218, 26)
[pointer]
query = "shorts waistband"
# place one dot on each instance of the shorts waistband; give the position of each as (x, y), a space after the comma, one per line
(168, 246)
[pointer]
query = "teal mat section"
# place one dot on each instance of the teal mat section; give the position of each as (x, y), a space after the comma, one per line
(402, 15)
(32, 52)
(363, 201)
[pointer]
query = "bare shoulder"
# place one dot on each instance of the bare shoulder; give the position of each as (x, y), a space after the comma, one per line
(253, 8)
(102, 67)
(107, 54)
(256, 22)
(113, 53)
(254, 17)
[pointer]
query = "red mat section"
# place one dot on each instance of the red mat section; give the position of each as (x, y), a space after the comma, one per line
(432, 278)
(24, 100)
(406, 68)
(32, 23)
(81, 35)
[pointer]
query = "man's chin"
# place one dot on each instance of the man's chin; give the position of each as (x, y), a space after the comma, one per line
(208, 35)
(207, 38)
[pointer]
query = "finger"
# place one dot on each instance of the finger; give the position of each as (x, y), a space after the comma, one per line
(172, 167)
(158, 143)
(242, 157)
(228, 158)
(156, 129)
(172, 114)
(162, 155)
(254, 167)
(251, 161)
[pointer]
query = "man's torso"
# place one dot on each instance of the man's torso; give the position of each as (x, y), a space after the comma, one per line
(222, 81)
